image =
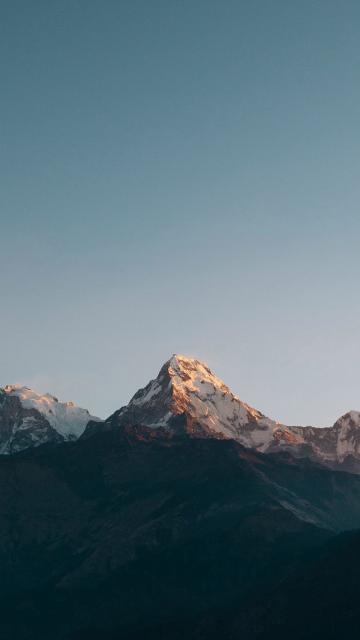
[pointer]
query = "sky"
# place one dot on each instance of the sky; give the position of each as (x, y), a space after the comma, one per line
(182, 177)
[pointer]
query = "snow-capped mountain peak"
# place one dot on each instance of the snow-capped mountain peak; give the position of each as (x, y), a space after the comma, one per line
(65, 417)
(187, 387)
(28, 418)
(189, 375)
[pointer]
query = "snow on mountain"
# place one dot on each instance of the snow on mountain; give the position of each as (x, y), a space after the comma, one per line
(29, 419)
(65, 417)
(348, 435)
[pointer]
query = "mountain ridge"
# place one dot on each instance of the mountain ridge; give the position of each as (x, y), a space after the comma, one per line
(186, 396)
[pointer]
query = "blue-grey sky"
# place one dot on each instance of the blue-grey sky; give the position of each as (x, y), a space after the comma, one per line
(182, 176)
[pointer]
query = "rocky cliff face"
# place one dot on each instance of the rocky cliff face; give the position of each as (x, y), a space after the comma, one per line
(28, 419)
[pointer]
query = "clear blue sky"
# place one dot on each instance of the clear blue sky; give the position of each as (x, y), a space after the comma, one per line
(182, 176)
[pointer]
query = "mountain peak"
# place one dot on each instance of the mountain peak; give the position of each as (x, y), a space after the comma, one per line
(186, 387)
(28, 418)
(192, 375)
(350, 417)
(184, 371)
(178, 361)
(189, 368)
(29, 395)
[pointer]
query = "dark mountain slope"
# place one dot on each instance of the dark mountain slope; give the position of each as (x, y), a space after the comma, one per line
(135, 530)
(319, 599)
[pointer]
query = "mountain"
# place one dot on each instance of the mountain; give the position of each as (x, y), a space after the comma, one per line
(28, 419)
(186, 515)
(187, 397)
(138, 533)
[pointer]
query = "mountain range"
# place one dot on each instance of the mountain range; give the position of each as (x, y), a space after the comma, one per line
(185, 514)
(185, 397)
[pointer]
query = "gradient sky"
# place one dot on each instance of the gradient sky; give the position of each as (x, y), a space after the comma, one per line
(182, 176)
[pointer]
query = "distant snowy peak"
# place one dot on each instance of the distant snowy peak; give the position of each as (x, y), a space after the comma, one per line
(348, 421)
(65, 417)
(28, 418)
(348, 435)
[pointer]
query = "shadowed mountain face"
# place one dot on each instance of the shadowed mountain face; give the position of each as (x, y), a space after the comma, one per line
(137, 532)
(319, 598)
